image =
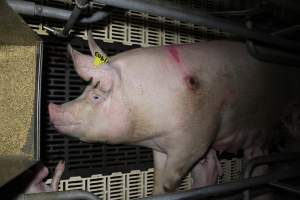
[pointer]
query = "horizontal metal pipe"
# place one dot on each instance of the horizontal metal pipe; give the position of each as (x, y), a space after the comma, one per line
(32, 9)
(292, 5)
(239, 196)
(247, 12)
(272, 56)
(166, 9)
(286, 187)
(215, 190)
(284, 157)
(68, 195)
(288, 30)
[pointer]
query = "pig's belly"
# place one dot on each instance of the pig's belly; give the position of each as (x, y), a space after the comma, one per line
(241, 139)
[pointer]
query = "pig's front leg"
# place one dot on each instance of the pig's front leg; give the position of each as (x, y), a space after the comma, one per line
(176, 165)
(159, 165)
(185, 147)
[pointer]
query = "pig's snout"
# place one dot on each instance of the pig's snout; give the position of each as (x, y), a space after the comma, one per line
(63, 120)
(54, 111)
(58, 116)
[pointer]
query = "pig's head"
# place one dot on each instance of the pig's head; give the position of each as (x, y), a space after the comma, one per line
(99, 114)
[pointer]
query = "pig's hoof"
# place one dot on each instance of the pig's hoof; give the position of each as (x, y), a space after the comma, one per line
(167, 188)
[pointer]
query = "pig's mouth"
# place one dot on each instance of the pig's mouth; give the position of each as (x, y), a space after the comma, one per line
(67, 127)
(62, 120)
(55, 123)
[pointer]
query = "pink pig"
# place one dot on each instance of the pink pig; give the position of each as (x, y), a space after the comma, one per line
(183, 101)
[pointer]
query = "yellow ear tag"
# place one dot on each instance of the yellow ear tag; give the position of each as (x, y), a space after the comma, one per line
(99, 60)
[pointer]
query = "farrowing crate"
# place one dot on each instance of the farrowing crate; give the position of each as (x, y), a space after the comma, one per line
(112, 171)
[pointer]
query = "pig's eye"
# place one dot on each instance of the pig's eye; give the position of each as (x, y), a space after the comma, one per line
(96, 98)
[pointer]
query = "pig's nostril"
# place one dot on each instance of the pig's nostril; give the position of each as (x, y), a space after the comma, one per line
(50, 108)
(53, 109)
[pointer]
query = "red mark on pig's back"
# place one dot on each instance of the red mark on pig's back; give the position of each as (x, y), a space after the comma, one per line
(174, 54)
(190, 81)
(174, 57)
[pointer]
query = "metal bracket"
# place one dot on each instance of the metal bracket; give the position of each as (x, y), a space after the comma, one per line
(79, 6)
(82, 4)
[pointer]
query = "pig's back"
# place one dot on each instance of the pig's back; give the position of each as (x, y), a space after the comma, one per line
(155, 83)
(254, 93)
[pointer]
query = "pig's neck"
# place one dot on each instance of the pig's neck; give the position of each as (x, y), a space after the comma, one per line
(148, 135)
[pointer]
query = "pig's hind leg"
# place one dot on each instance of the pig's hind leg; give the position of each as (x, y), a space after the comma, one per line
(207, 170)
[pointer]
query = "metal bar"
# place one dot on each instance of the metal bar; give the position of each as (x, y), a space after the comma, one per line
(95, 17)
(32, 9)
(68, 195)
(269, 159)
(264, 160)
(272, 56)
(286, 187)
(73, 18)
(292, 5)
(287, 30)
(166, 9)
(239, 196)
(215, 190)
(247, 12)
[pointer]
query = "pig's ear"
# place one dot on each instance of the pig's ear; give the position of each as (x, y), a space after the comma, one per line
(93, 45)
(82, 63)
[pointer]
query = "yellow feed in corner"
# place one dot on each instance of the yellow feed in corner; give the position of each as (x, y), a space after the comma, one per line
(17, 92)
